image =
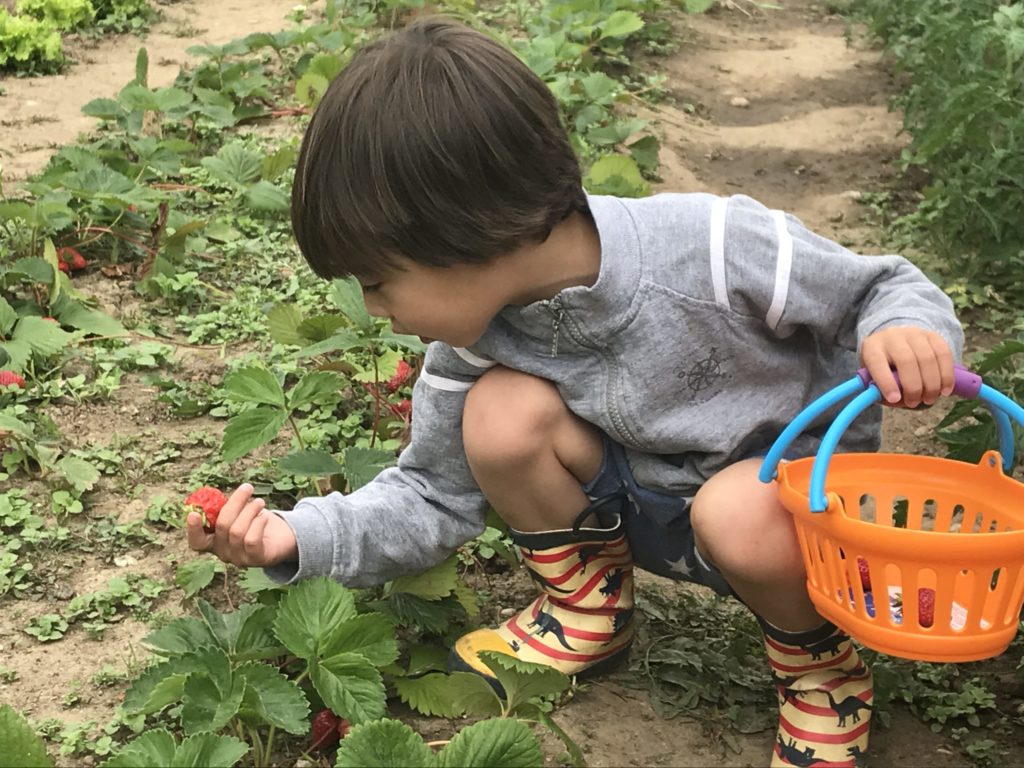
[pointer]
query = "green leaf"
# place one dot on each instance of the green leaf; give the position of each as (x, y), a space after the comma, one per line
(91, 321)
(430, 616)
(276, 164)
(206, 751)
(371, 635)
(364, 464)
(283, 321)
(350, 686)
(265, 196)
(196, 575)
(104, 109)
(523, 680)
(313, 386)
(161, 685)
(309, 463)
(79, 473)
(254, 384)
(320, 327)
(244, 634)
(156, 747)
(440, 581)
(212, 696)
(255, 580)
(496, 743)
(617, 175)
(383, 744)
(454, 695)
(645, 152)
(274, 698)
(621, 24)
(19, 745)
(142, 67)
(348, 296)
(698, 6)
(342, 341)
(10, 424)
(249, 430)
(310, 613)
(235, 165)
(42, 337)
(170, 99)
(7, 317)
(180, 636)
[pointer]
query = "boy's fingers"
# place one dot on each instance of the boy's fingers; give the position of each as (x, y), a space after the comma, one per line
(944, 357)
(235, 503)
(243, 522)
(198, 539)
(877, 362)
(928, 370)
(253, 542)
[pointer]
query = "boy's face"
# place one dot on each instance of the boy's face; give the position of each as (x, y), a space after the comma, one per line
(452, 304)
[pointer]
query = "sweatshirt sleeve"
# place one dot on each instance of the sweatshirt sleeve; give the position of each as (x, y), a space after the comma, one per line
(768, 265)
(410, 516)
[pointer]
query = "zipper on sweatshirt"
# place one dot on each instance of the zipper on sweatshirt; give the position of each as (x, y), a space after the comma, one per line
(556, 323)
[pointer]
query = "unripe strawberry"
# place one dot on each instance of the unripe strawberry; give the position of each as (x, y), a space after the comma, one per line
(8, 378)
(208, 501)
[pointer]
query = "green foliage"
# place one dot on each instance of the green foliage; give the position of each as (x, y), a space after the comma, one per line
(963, 61)
(65, 15)
(159, 747)
(19, 745)
(28, 45)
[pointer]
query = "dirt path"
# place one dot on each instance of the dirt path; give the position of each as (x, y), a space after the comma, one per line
(40, 115)
(785, 111)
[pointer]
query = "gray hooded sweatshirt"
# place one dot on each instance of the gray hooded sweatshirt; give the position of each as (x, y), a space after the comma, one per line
(712, 323)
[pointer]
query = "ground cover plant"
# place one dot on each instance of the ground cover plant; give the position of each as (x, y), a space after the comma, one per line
(175, 210)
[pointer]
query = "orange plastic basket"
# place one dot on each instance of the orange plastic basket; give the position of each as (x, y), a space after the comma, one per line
(914, 556)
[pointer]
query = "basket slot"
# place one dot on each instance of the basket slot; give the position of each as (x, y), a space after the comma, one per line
(930, 512)
(1000, 590)
(914, 519)
(980, 595)
(899, 511)
(915, 582)
(1016, 596)
(978, 522)
(867, 508)
(892, 583)
(950, 519)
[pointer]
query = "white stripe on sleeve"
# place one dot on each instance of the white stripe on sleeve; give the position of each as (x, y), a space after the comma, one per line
(448, 385)
(783, 267)
(474, 360)
(718, 250)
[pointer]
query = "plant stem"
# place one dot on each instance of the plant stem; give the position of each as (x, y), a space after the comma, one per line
(270, 744)
(302, 447)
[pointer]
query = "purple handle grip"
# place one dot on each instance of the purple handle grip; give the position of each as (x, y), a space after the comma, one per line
(965, 383)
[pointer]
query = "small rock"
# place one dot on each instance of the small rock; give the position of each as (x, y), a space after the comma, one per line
(835, 218)
(125, 561)
(852, 194)
(800, 170)
(922, 431)
(88, 760)
(506, 612)
(304, 763)
(739, 101)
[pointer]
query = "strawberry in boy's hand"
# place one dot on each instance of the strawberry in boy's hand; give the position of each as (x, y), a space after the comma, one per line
(10, 377)
(208, 501)
(926, 606)
(328, 728)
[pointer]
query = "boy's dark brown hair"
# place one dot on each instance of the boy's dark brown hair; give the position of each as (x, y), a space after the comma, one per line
(437, 144)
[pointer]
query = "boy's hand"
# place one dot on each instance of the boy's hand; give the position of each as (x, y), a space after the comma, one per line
(246, 535)
(922, 358)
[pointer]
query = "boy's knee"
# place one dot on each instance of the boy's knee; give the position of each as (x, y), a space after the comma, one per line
(509, 418)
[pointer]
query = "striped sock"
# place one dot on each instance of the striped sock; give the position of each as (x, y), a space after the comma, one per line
(825, 696)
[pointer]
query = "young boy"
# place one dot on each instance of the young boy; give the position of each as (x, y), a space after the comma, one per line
(605, 372)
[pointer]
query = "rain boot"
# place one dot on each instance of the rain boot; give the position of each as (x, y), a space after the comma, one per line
(825, 695)
(583, 617)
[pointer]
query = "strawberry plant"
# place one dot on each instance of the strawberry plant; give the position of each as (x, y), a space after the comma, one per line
(28, 45)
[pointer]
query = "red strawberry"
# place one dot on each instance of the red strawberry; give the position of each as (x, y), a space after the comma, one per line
(64, 267)
(865, 574)
(208, 501)
(327, 729)
(926, 606)
(401, 374)
(403, 407)
(10, 377)
(72, 258)
(343, 728)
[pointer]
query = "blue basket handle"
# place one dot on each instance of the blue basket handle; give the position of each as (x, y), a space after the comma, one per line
(966, 384)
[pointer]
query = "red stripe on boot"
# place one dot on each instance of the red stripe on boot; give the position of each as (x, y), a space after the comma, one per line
(593, 583)
(811, 709)
(583, 611)
(818, 762)
(555, 557)
(826, 664)
(553, 653)
(824, 738)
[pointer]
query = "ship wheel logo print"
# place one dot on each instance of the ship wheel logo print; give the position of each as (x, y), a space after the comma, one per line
(704, 373)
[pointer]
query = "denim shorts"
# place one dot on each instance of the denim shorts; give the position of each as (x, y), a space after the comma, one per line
(657, 525)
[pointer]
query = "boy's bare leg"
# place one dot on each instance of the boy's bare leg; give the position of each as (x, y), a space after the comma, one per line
(527, 451)
(825, 690)
(531, 456)
(741, 526)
